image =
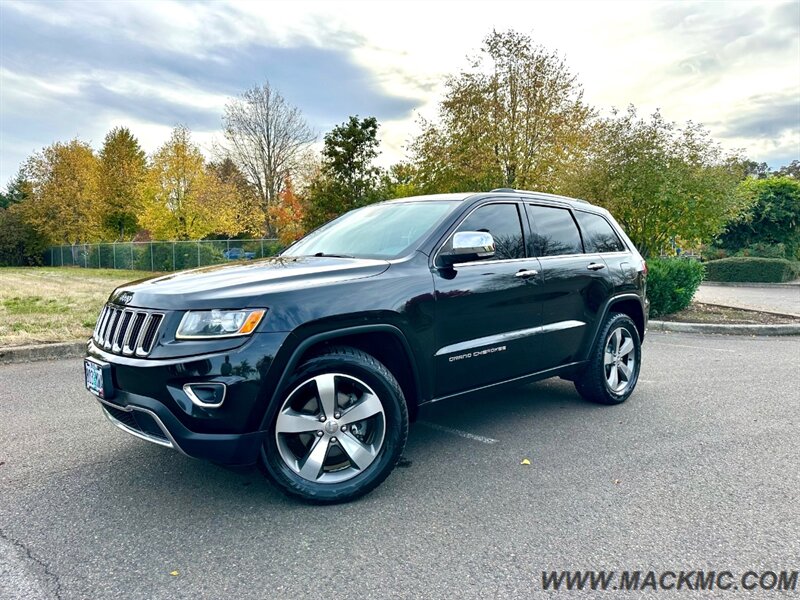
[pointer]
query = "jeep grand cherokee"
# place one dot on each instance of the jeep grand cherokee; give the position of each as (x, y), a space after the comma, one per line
(312, 363)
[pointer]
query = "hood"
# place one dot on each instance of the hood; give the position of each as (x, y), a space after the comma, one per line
(242, 285)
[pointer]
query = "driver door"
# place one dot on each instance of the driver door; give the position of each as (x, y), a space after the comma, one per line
(487, 311)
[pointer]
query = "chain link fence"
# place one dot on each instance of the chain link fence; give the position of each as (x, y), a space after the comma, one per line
(159, 256)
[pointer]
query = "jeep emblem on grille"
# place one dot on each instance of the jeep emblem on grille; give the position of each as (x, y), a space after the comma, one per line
(124, 298)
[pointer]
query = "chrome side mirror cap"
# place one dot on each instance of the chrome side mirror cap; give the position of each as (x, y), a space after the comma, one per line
(469, 245)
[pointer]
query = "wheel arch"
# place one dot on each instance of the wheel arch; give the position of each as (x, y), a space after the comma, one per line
(629, 304)
(386, 343)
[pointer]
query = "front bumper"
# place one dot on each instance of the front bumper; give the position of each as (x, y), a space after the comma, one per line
(151, 421)
(149, 400)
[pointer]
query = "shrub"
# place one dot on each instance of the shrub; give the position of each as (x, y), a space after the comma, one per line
(773, 218)
(752, 269)
(763, 251)
(671, 284)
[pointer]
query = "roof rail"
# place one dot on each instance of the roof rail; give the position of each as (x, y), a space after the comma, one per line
(504, 190)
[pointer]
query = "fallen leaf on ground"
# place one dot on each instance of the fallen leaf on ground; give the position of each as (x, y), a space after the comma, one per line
(525, 461)
(174, 573)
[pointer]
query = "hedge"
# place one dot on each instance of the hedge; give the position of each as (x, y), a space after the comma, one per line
(752, 269)
(671, 284)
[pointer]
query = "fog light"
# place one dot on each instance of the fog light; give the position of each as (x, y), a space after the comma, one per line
(206, 395)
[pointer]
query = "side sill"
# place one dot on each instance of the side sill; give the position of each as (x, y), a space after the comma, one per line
(546, 374)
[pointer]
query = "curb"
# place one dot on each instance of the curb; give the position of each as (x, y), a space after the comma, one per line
(771, 330)
(788, 284)
(18, 354)
(754, 310)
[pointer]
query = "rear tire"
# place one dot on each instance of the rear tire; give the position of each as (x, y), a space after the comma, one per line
(614, 362)
(339, 430)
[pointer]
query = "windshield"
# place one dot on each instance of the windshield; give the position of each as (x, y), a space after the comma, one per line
(378, 231)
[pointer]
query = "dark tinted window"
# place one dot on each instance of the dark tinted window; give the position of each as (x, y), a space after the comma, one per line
(598, 236)
(502, 221)
(554, 231)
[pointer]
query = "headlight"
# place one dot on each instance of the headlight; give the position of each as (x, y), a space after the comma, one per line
(219, 323)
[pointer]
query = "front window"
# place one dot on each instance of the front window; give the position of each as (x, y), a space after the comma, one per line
(502, 221)
(379, 231)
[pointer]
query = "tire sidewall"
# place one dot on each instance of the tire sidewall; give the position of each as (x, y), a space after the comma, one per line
(396, 431)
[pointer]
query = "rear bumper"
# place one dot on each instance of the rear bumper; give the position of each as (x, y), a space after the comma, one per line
(151, 421)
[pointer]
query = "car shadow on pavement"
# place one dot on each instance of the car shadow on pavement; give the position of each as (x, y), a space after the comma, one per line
(515, 414)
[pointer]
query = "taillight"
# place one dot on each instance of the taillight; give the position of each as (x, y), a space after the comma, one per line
(644, 267)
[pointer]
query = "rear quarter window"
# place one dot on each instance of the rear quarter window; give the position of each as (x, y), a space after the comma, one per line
(598, 235)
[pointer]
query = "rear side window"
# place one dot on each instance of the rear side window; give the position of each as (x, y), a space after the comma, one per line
(598, 235)
(502, 221)
(554, 231)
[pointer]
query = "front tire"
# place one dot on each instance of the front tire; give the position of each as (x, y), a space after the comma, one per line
(340, 428)
(614, 362)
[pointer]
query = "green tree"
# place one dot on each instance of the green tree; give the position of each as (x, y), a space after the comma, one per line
(661, 182)
(183, 198)
(773, 217)
(20, 243)
(122, 173)
(790, 170)
(759, 170)
(399, 181)
(64, 206)
(18, 189)
(515, 118)
(348, 178)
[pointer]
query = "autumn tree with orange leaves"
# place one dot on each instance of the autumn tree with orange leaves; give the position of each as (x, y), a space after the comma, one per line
(286, 216)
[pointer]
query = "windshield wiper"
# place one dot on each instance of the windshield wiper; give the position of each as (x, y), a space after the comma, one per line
(333, 255)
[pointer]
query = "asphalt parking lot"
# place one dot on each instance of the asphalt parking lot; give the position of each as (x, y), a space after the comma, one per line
(700, 469)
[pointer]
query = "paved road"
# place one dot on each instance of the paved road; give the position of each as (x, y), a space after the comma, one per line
(699, 469)
(784, 300)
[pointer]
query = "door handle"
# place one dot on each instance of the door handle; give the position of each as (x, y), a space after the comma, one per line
(596, 266)
(526, 273)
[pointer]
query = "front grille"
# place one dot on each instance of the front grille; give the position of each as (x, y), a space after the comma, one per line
(127, 331)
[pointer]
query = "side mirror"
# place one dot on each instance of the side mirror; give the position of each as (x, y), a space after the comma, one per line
(468, 246)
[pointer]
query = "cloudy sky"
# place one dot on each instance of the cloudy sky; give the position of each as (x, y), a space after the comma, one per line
(72, 69)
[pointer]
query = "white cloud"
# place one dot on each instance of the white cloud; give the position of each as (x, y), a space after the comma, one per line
(704, 61)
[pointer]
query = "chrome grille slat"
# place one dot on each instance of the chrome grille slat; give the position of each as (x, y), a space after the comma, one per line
(127, 331)
(103, 326)
(134, 333)
(99, 323)
(112, 328)
(122, 330)
(149, 331)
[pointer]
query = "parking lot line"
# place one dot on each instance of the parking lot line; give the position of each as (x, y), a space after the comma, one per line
(464, 434)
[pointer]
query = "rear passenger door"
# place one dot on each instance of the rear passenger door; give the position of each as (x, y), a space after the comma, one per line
(599, 237)
(575, 285)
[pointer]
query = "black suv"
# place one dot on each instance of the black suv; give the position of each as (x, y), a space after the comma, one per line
(313, 363)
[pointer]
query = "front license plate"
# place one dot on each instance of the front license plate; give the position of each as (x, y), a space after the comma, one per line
(98, 378)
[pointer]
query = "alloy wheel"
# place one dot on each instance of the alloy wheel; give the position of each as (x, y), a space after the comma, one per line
(330, 428)
(619, 360)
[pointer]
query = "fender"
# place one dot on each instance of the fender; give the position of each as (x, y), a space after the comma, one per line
(602, 317)
(290, 366)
